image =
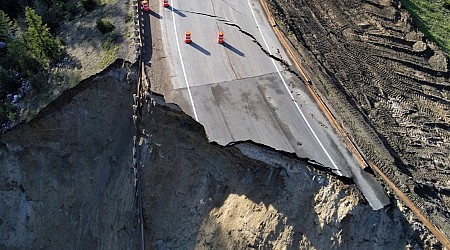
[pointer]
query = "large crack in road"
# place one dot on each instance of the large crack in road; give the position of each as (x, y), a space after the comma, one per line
(283, 62)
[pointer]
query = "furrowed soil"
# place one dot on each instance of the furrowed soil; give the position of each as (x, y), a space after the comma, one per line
(387, 84)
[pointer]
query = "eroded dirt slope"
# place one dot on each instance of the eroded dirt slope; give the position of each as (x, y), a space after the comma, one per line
(199, 195)
(368, 56)
(66, 177)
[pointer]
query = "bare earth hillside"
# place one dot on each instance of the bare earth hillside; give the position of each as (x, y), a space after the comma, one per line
(65, 177)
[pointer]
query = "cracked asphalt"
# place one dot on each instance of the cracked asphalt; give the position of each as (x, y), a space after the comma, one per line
(244, 90)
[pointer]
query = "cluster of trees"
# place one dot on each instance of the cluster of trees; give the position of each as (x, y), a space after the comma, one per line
(23, 54)
(27, 50)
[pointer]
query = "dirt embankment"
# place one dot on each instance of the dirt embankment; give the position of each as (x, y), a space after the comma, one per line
(389, 85)
(199, 195)
(66, 177)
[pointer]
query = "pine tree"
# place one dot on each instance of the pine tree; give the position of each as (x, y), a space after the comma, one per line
(6, 28)
(44, 46)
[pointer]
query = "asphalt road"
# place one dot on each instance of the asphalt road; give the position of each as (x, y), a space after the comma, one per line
(240, 93)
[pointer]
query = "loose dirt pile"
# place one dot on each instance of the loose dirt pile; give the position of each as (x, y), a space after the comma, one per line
(389, 85)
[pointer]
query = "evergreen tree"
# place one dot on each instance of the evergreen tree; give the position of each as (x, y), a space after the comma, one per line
(6, 28)
(39, 40)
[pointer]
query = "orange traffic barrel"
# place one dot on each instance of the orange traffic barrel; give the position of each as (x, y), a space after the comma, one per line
(166, 3)
(187, 38)
(220, 39)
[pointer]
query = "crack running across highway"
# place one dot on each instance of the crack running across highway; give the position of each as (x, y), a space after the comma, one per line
(284, 63)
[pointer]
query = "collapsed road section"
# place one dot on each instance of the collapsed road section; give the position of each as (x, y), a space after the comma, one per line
(243, 91)
(200, 195)
(66, 183)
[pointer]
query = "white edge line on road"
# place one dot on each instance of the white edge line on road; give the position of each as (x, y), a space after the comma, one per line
(182, 63)
(290, 94)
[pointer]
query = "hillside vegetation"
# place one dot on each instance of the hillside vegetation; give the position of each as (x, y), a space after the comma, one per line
(30, 47)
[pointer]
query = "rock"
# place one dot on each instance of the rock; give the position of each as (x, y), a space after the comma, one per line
(419, 46)
(439, 61)
(414, 36)
(385, 3)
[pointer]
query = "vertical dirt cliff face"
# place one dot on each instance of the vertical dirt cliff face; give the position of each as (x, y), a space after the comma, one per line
(199, 195)
(65, 178)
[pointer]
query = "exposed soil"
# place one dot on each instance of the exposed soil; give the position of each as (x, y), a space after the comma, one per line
(389, 85)
(66, 178)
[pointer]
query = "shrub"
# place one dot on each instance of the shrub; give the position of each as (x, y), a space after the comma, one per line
(128, 18)
(21, 59)
(38, 80)
(72, 8)
(7, 28)
(7, 112)
(104, 26)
